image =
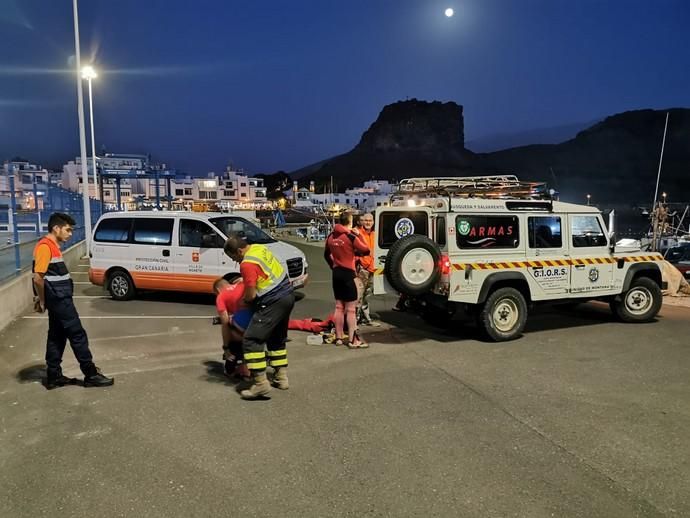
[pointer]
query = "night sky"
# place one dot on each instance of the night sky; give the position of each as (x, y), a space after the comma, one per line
(281, 84)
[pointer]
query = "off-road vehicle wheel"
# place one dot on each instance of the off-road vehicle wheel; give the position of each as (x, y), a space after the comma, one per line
(412, 265)
(640, 303)
(120, 285)
(504, 315)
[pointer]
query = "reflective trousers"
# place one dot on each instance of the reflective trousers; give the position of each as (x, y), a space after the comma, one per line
(269, 328)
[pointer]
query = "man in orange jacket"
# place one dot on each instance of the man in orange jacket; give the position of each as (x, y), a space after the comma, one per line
(53, 288)
(365, 270)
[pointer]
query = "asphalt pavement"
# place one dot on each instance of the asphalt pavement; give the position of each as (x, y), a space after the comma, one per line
(582, 416)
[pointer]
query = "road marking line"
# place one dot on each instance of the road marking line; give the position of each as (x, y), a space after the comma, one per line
(90, 297)
(209, 317)
(145, 335)
(82, 282)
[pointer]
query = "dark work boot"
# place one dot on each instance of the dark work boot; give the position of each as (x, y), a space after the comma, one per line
(54, 381)
(95, 378)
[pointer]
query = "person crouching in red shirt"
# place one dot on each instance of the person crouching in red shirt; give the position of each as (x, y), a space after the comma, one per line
(234, 318)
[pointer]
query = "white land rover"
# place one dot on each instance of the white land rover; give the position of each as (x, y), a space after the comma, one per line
(495, 245)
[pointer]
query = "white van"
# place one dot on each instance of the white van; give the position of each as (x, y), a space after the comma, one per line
(175, 251)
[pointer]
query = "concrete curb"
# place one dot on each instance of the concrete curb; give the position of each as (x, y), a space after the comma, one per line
(20, 292)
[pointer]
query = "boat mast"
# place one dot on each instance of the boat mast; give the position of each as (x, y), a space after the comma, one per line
(655, 208)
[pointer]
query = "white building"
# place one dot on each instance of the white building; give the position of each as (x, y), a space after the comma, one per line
(110, 164)
(139, 186)
(374, 193)
(26, 174)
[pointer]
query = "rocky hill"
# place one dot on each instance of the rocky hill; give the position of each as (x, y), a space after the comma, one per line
(409, 138)
(615, 160)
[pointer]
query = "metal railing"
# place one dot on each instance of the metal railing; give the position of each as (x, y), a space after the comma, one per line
(21, 227)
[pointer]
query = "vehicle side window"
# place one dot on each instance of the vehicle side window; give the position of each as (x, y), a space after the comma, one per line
(491, 232)
(113, 230)
(544, 232)
(394, 225)
(153, 231)
(587, 231)
(441, 231)
(192, 232)
(242, 228)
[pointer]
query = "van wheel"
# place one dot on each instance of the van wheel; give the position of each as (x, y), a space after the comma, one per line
(412, 265)
(121, 286)
(504, 315)
(640, 303)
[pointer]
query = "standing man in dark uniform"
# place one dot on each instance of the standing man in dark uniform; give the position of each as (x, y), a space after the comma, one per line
(268, 291)
(54, 289)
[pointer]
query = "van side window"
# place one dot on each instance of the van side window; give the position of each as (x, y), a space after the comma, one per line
(113, 230)
(153, 231)
(586, 231)
(487, 232)
(544, 232)
(192, 231)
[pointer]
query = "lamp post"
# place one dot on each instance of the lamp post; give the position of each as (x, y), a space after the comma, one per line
(589, 197)
(663, 196)
(89, 73)
(82, 131)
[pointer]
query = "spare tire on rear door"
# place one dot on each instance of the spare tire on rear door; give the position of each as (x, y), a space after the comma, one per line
(413, 265)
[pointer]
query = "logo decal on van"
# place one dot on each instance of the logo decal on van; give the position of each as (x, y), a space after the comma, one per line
(195, 257)
(464, 227)
(404, 227)
(593, 275)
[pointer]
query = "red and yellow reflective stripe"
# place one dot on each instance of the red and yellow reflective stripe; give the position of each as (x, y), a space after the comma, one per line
(505, 265)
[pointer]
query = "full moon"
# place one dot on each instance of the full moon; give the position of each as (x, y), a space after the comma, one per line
(449, 12)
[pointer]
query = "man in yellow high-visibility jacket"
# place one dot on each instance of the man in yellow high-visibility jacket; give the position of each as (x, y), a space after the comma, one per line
(268, 290)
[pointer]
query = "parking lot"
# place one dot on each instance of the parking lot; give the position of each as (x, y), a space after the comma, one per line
(582, 416)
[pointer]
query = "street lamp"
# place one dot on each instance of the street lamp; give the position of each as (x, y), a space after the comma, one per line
(663, 195)
(589, 197)
(82, 132)
(89, 73)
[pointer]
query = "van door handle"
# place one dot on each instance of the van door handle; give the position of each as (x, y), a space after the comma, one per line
(166, 253)
(580, 266)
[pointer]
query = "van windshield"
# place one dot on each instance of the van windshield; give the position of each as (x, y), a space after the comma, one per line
(243, 228)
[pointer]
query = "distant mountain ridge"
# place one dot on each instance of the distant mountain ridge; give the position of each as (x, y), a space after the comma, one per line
(546, 135)
(614, 160)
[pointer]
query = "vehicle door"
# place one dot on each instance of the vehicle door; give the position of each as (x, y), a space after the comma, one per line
(391, 224)
(199, 256)
(591, 271)
(547, 255)
(151, 248)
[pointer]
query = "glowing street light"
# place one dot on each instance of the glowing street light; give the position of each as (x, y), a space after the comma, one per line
(589, 197)
(663, 195)
(449, 12)
(89, 73)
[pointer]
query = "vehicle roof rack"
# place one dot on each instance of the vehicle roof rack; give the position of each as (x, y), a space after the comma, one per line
(502, 187)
